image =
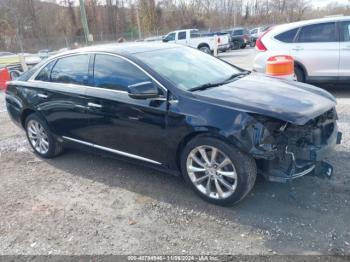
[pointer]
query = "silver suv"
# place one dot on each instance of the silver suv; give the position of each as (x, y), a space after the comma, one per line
(321, 49)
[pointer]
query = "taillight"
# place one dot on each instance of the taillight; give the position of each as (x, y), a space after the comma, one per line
(4, 78)
(219, 40)
(259, 44)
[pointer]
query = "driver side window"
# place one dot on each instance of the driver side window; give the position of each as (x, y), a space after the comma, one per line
(170, 37)
(115, 73)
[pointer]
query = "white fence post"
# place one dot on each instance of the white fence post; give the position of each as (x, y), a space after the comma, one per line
(216, 45)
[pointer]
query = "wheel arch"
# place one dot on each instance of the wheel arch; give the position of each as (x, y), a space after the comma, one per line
(203, 45)
(25, 113)
(302, 67)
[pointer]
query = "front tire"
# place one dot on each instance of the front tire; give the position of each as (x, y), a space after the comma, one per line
(40, 138)
(218, 172)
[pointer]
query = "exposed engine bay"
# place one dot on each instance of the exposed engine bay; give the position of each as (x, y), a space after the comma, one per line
(292, 151)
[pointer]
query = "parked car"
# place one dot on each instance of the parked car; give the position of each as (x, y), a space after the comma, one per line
(31, 59)
(179, 110)
(154, 39)
(193, 38)
(44, 53)
(239, 37)
(222, 48)
(321, 49)
(255, 33)
(6, 54)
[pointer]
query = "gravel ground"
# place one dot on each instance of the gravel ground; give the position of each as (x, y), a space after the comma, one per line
(86, 204)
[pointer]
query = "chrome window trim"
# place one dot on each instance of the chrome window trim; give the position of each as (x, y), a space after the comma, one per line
(112, 150)
(140, 84)
(32, 78)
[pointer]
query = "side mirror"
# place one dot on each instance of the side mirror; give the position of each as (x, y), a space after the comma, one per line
(164, 40)
(143, 90)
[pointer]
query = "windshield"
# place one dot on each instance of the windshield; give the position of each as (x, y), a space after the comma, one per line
(238, 32)
(188, 68)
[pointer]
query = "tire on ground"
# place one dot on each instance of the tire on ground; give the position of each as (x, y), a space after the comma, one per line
(55, 148)
(299, 74)
(245, 167)
(204, 48)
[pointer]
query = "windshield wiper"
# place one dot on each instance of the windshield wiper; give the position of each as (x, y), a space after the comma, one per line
(205, 86)
(244, 73)
(209, 85)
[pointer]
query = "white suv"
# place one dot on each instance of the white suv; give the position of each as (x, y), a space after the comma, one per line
(320, 47)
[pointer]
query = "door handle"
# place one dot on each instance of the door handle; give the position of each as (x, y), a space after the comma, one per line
(44, 96)
(297, 48)
(346, 48)
(94, 105)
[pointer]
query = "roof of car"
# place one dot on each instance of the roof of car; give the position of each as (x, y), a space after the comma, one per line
(124, 48)
(283, 27)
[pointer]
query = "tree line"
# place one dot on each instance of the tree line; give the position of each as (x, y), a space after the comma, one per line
(29, 25)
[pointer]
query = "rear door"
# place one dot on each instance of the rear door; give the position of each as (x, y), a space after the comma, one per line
(60, 95)
(317, 48)
(118, 122)
(344, 63)
(181, 38)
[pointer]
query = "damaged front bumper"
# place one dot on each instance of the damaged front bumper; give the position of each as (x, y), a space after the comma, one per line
(301, 151)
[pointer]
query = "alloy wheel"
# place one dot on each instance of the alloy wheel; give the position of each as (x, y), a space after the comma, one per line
(38, 137)
(212, 172)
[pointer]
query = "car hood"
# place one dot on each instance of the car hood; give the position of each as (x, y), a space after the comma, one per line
(286, 100)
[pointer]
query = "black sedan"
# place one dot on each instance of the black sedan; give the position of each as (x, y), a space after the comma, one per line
(179, 110)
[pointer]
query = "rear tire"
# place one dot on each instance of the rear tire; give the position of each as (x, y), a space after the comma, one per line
(299, 73)
(235, 45)
(236, 178)
(205, 49)
(40, 137)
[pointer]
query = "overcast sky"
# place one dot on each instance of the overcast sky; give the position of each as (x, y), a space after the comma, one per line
(322, 3)
(316, 3)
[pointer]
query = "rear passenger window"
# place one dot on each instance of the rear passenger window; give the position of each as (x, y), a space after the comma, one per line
(318, 33)
(44, 74)
(345, 31)
(182, 35)
(71, 70)
(112, 72)
(194, 34)
(288, 36)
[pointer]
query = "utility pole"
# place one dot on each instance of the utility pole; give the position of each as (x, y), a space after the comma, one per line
(138, 22)
(234, 13)
(84, 22)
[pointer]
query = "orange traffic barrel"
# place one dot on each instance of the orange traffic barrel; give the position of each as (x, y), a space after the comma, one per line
(4, 77)
(280, 66)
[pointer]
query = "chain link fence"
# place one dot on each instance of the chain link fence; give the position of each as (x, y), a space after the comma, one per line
(33, 45)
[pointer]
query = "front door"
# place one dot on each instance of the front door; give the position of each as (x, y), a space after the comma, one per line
(317, 48)
(118, 122)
